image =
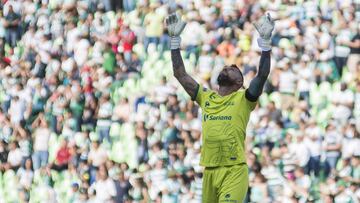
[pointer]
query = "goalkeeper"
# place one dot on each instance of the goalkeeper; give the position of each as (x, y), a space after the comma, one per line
(225, 115)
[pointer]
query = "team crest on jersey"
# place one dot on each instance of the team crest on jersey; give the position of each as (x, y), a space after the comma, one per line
(207, 104)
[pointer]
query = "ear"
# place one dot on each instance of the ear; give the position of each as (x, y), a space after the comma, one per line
(239, 83)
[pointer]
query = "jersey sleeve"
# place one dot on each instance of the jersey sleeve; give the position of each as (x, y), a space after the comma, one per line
(200, 95)
(250, 104)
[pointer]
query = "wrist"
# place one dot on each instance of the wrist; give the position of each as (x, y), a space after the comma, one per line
(175, 42)
(264, 44)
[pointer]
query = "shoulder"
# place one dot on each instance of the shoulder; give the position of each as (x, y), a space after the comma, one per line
(241, 91)
(250, 100)
(204, 90)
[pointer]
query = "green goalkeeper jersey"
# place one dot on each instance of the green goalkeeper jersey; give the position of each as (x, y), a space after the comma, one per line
(224, 121)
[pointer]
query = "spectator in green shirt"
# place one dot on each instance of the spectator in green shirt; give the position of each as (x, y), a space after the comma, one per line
(109, 59)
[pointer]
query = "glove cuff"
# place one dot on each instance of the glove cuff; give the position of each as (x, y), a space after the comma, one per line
(264, 44)
(175, 42)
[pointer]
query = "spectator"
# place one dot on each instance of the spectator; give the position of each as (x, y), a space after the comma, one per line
(62, 157)
(109, 60)
(26, 175)
(104, 118)
(302, 184)
(171, 191)
(342, 50)
(104, 186)
(97, 157)
(139, 192)
(153, 22)
(301, 151)
(41, 137)
(127, 39)
(16, 111)
(259, 191)
(354, 45)
(313, 142)
(123, 186)
(287, 85)
(332, 145)
(12, 25)
(14, 157)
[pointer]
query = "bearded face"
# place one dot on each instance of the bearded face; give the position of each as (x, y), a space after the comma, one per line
(230, 76)
(224, 79)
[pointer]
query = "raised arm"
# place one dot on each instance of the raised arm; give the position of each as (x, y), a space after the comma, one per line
(257, 84)
(175, 27)
(189, 84)
(264, 26)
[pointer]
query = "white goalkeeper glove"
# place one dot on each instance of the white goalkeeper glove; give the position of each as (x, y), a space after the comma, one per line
(264, 26)
(175, 26)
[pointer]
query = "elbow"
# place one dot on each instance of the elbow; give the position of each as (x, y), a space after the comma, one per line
(176, 75)
(263, 72)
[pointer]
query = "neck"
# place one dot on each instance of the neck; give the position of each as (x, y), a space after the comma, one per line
(226, 90)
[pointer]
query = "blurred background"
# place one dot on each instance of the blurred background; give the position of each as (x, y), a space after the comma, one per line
(90, 110)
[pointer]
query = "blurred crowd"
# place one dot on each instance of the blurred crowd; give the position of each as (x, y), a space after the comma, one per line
(90, 110)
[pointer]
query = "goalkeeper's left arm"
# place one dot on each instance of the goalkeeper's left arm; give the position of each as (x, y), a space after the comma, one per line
(264, 26)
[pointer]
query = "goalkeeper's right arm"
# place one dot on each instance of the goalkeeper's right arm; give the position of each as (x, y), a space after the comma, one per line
(175, 27)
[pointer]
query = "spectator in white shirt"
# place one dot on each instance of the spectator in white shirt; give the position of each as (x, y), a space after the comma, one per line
(41, 138)
(17, 110)
(332, 146)
(172, 188)
(15, 156)
(287, 85)
(301, 151)
(351, 141)
(104, 118)
(193, 34)
(26, 175)
(157, 176)
(96, 157)
(301, 185)
(104, 186)
(314, 144)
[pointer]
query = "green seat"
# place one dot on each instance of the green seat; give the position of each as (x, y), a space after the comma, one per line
(115, 130)
(53, 146)
(325, 87)
(264, 100)
(168, 70)
(129, 84)
(346, 76)
(146, 67)
(153, 57)
(8, 175)
(159, 65)
(10, 188)
(117, 152)
(144, 84)
(323, 116)
(111, 15)
(94, 135)
(275, 97)
(139, 50)
(130, 153)
(167, 56)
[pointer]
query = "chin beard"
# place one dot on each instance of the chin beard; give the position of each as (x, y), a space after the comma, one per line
(224, 80)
